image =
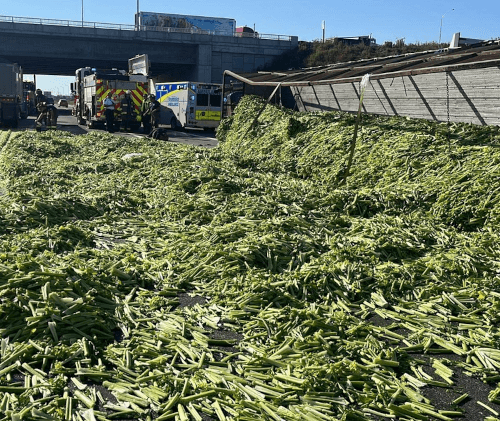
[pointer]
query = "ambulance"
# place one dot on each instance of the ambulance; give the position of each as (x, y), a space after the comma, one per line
(190, 104)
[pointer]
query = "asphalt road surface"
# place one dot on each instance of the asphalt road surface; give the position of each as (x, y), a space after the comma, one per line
(67, 122)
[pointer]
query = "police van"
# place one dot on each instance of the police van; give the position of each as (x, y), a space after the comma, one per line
(189, 104)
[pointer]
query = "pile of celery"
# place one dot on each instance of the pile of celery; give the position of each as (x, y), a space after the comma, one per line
(326, 299)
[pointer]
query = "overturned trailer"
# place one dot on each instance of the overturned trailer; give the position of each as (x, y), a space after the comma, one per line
(460, 84)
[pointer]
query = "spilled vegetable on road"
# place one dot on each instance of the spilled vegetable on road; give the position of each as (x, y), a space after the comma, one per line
(313, 297)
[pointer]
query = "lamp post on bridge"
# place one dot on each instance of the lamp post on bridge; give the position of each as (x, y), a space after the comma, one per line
(441, 26)
(82, 13)
(137, 23)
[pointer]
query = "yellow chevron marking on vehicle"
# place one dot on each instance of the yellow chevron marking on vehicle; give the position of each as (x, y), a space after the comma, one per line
(136, 102)
(105, 94)
(139, 93)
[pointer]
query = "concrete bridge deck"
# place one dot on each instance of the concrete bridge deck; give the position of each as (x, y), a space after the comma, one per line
(54, 47)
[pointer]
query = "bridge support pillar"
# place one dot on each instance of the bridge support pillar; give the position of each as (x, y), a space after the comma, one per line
(204, 68)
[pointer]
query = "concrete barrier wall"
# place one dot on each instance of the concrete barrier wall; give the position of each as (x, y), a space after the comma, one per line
(470, 96)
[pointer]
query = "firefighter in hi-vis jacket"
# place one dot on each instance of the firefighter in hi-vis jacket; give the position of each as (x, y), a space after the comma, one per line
(127, 107)
(47, 113)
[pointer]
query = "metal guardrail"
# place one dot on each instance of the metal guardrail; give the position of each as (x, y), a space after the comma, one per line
(127, 27)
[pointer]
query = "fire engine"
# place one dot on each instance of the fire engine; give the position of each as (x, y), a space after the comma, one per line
(92, 86)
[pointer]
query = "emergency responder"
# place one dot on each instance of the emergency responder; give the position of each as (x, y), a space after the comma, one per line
(51, 117)
(154, 112)
(42, 111)
(127, 107)
(40, 99)
(109, 112)
(145, 117)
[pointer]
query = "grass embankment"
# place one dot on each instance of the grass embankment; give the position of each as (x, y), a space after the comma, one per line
(378, 299)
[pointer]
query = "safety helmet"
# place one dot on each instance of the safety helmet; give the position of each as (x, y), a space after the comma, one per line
(127, 92)
(152, 96)
(38, 91)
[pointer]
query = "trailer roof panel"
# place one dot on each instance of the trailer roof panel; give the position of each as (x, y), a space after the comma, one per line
(448, 59)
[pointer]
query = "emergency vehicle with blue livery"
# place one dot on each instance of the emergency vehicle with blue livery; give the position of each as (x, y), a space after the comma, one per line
(190, 104)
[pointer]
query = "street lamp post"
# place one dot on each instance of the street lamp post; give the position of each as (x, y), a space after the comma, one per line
(82, 13)
(441, 26)
(137, 23)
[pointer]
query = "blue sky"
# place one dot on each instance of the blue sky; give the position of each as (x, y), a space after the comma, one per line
(389, 20)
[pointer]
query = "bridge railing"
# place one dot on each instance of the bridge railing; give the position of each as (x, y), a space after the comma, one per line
(127, 27)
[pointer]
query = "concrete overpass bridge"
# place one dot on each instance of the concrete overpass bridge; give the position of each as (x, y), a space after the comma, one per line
(56, 47)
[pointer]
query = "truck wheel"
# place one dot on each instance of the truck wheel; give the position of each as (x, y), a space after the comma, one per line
(90, 123)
